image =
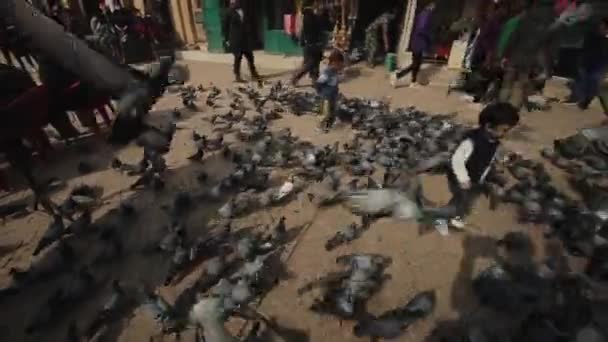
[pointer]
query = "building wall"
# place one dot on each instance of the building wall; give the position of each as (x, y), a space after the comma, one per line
(186, 16)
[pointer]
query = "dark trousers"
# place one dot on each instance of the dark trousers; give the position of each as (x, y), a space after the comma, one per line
(414, 68)
(238, 57)
(587, 85)
(459, 205)
(310, 65)
(516, 87)
(42, 34)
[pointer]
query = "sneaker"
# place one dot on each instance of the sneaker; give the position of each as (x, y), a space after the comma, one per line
(393, 80)
(457, 223)
(414, 85)
(442, 227)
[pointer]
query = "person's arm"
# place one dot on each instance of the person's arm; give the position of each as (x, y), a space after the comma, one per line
(226, 25)
(459, 162)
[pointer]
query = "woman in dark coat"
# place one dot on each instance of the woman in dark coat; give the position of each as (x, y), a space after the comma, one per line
(421, 43)
(238, 40)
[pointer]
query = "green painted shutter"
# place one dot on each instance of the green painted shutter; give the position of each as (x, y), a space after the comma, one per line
(212, 22)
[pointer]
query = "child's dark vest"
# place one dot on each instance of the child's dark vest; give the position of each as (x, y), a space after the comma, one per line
(484, 150)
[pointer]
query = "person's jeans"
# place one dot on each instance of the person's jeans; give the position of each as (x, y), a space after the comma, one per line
(40, 34)
(414, 68)
(312, 58)
(238, 57)
(459, 205)
(587, 85)
(515, 87)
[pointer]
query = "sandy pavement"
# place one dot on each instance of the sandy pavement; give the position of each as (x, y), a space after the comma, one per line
(420, 261)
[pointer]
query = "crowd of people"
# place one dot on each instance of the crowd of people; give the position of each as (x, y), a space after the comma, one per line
(514, 47)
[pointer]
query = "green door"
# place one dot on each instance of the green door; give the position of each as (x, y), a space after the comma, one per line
(212, 22)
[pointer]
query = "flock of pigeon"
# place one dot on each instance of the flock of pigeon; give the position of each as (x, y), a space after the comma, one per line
(520, 299)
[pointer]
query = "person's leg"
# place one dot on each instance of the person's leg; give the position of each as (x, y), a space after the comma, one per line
(305, 67)
(402, 72)
(591, 88)
(251, 63)
(507, 85)
(577, 87)
(236, 67)
(316, 57)
(371, 45)
(519, 95)
(416, 64)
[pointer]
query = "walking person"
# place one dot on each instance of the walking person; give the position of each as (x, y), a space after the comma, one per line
(593, 66)
(237, 30)
(328, 88)
(526, 51)
(312, 41)
(471, 163)
(380, 24)
(421, 43)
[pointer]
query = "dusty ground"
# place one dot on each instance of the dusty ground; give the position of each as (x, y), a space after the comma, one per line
(420, 262)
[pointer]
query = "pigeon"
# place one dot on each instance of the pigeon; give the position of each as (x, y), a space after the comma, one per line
(82, 225)
(241, 292)
(345, 236)
(54, 232)
(216, 266)
(385, 202)
(157, 306)
(210, 314)
(169, 242)
(392, 324)
(181, 257)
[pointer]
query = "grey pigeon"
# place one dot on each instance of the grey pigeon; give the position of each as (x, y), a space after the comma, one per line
(393, 323)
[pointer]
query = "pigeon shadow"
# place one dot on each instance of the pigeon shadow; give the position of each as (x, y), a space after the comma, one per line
(475, 247)
(285, 333)
(136, 233)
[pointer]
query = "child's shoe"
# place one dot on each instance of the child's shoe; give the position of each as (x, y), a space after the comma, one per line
(457, 223)
(393, 79)
(442, 227)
